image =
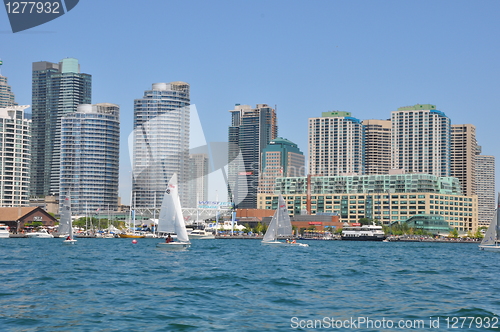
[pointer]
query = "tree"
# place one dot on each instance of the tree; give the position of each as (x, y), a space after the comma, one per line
(454, 233)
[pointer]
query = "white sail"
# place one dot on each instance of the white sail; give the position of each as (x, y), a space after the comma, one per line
(491, 236)
(171, 219)
(65, 221)
(280, 224)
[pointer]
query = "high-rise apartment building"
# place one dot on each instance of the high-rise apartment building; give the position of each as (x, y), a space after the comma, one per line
(160, 143)
(485, 188)
(6, 94)
(336, 145)
(14, 156)
(250, 132)
(57, 90)
(198, 176)
(421, 138)
(281, 158)
(90, 153)
(463, 156)
(377, 146)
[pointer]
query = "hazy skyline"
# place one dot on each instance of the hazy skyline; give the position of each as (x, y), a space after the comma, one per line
(363, 57)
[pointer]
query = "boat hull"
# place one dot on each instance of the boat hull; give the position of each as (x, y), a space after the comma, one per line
(363, 238)
(131, 236)
(490, 248)
(69, 241)
(284, 244)
(173, 245)
(39, 236)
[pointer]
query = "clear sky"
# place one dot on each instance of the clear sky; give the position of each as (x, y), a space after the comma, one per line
(306, 57)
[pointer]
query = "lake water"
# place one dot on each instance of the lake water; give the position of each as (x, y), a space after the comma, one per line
(240, 285)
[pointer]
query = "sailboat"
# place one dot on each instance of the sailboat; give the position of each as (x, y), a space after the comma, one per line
(66, 224)
(280, 226)
(171, 219)
(491, 240)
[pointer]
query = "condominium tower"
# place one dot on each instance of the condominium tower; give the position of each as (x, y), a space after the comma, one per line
(336, 144)
(421, 140)
(14, 156)
(6, 94)
(463, 156)
(281, 158)
(377, 146)
(198, 176)
(57, 89)
(160, 143)
(485, 188)
(250, 132)
(90, 151)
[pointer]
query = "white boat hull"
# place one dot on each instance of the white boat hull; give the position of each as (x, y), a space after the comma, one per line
(69, 241)
(490, 248)
(4, 235)
(173, 245)
(284, 244)
(40, 235)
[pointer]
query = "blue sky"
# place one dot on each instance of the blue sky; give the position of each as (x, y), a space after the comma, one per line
(306, 57)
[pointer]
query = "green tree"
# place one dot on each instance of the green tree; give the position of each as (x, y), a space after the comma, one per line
(454, 233)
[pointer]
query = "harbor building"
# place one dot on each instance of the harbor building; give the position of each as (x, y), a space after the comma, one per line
(280, 158)
(463, 156)
(421, 140)
(15, 138)
(336, 145)
(250, 132)
(485, 188)
(90, 150)
(377, 146)
(388, 198)
(160, 143)
(57, 90)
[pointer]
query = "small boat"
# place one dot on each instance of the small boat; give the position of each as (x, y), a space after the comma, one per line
(280, 226)
(131, 235)
(171, 219)
(40, 234)
(4, 231)
(491, 240)
(65, 223)
(363, 233)
(201, 234)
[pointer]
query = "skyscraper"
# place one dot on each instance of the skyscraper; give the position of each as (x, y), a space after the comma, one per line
(421, 140)
(198, 184)
(485, 188)
(90, 152)
(463, 156)
(336, 145)
(6, 94)
(57, 89)
(281, 158)
(250, 132)
(14, 156)
(160, 143)
(377, 146)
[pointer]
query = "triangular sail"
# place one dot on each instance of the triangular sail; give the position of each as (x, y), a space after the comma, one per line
(492, 235)
(280, 224)
(65, 221)
(171, 219)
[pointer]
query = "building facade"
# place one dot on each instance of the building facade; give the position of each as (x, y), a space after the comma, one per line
(377, 146)
(281, 158)
(90, 152)
(57, 90)
(6, 94)
(336, 145)
(160, 143)
(463, 156)
(250, 132)
(421, 140)
(388, 198)
(485, 188)
(15, 138)
(198, 179)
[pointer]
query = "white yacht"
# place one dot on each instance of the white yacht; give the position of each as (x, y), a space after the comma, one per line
(41, 234)
(363, 233)
(201, 234)
(4, 231)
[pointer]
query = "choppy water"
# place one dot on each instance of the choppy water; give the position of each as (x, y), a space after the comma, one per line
(240, 285)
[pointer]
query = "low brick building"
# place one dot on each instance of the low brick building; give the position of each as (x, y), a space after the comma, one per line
(17, 217)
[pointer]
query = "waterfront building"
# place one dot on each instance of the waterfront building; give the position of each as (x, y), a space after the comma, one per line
(198, 179)
(6, 94)
(281, 158)
(421, 138)
(336, 145)
(389, 198)
(377, 146)
(250, 132)
(90, 150)
(160, 143)
(463, 156)
(57, 90)
(485, 188)
(15, 137)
